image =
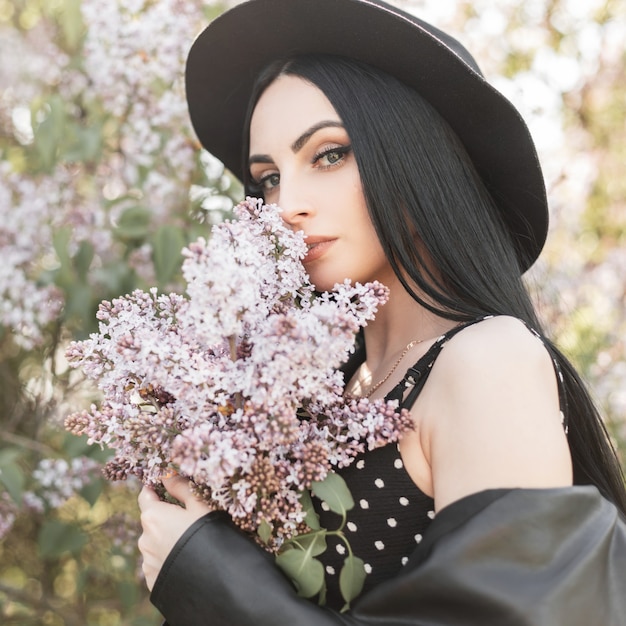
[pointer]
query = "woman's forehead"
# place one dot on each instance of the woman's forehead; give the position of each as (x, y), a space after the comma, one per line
(289, 106)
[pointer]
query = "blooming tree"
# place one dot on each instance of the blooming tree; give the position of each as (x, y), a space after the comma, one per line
(102, 184)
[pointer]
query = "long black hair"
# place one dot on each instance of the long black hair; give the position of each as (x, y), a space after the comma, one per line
(420, 185)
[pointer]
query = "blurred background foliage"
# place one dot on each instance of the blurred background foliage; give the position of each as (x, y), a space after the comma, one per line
(102, 182)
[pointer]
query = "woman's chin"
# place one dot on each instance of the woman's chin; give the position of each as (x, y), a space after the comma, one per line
(322, 284)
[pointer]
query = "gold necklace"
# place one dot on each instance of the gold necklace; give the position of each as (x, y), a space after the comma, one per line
(373, 388)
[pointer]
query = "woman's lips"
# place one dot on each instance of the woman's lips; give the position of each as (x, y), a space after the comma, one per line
(317, 247)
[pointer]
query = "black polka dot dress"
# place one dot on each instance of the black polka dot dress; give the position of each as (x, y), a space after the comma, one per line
(391, 514)
(388, 520)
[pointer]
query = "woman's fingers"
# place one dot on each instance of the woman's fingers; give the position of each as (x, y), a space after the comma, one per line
(164, 523)
(147, 496)
(177, 486)
(180, 488)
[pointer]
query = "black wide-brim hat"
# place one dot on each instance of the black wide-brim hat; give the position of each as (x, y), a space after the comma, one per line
(228, 55)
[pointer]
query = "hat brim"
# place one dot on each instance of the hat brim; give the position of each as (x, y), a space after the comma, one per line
(228, 55)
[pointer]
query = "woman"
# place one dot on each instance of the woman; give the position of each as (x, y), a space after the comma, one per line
(379, 138)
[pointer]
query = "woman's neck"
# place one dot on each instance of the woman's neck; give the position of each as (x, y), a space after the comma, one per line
(400, 327)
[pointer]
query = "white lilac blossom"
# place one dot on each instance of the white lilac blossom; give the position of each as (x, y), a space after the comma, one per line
(236, 385)
(54, 482)
(131, 69)
(134, 55)
(26, 306)
(57, 480)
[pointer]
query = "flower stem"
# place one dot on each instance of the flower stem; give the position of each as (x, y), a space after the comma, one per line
(232, 342)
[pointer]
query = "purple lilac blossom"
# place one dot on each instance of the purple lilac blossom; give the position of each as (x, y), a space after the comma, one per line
(236, 385)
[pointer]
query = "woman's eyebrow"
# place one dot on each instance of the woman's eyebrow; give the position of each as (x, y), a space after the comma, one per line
(297, 145)
(260, 158)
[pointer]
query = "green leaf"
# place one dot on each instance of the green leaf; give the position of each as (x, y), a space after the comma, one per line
(313, 543)
(78, 302)
(311, 518)
(64, 276)
(134, 223)
(57, 538)
(334, 491)
(127, 593)
(74, 445)
(12, 477)
(51, 131)
(306, 572)
(83, 145)
(351, 578)
(8, 455)
(83, 259)
(264, 531)
(61, 240)
(91, 491)
(167, 246)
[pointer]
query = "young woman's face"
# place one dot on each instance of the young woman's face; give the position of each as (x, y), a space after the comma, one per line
(302, 160)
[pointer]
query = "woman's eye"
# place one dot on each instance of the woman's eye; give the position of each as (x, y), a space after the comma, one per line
(271, 181)
(331, 157)
(268, 182)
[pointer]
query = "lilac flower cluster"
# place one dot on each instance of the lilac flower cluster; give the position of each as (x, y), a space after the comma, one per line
(57, 480)
(236, 385)
(134, 55)
(54, 482)
(123, 530)
(129, 72)
(26, 307)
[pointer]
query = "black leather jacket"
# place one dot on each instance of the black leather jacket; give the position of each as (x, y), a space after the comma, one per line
(505, 557)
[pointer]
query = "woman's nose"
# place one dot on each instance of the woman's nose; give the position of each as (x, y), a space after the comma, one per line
(295, 204)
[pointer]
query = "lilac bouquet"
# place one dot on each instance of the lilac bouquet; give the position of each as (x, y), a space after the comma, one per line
(236, 385)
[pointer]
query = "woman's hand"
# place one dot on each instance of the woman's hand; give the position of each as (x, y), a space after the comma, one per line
(163, 523)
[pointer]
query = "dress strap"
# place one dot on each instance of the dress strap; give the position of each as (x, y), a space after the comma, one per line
(563, 405)
(417, 375)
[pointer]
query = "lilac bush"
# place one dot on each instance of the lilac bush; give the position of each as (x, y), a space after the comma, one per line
(95, 201)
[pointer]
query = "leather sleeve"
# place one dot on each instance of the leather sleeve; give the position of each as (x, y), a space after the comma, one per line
(521, 557)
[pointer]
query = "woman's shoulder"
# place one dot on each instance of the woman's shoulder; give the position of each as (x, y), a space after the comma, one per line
(491, 412)
(497, 344)
(491, 323)
(495, 359)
